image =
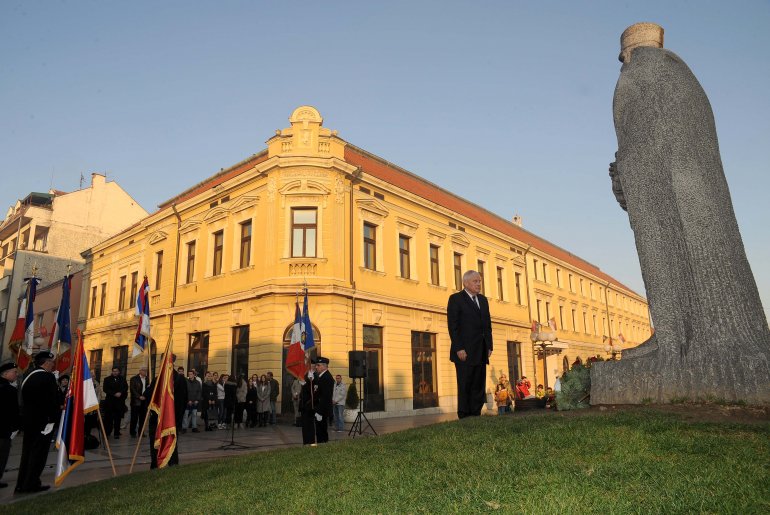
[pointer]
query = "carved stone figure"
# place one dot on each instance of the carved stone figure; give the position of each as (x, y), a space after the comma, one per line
(711, 336)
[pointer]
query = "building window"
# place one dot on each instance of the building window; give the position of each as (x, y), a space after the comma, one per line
(240, 366)
(545, 272)
(245, 244)
(158, 268)
(122, 294)
(403, 255)
(561, 317)
(582, 292)
(95, 364)
(134, 287)
(534, 267)
(595, 328)
(103, 299)
(480, 264)
(517, 281)
(374, 393)
(434, 274)
(219, 242)
(591, 290)
(547, 311)
(93, 302)
(458, 268)
(424, 370)
(120, 359)
(574, 321)
(198, 356)
(370, 246)
(571, 288)
(537, 304)
(304, 226)
(585, 322)
(500, 283)
(514, 361)
(558, 278)
(190, 275)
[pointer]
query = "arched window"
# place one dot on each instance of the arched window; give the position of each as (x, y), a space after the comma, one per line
(316, 350)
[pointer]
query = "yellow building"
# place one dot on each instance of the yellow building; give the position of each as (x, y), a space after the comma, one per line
(380, 250)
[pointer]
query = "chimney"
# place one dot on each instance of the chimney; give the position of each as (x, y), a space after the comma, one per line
(98, 179)
(516, 220)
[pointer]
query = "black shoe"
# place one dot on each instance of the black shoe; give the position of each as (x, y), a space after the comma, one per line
(196, 430)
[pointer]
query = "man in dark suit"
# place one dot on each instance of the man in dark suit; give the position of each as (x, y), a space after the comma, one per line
(324, 391)
(39, 396)
(139, 401)
(10, 420)
(470, 330)
(116, 389)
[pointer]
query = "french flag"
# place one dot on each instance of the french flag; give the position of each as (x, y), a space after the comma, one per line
(61, 334)
(143, 312)
(81, 399)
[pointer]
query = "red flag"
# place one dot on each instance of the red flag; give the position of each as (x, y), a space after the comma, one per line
(162, 403)
(16, 343)
(295, 357)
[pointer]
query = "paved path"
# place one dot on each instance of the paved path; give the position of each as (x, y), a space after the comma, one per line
(193, 447)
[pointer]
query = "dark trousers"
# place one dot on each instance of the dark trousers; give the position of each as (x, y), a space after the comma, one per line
(137, 419)
(5, 451)
(34, 452)
(470, 389)
(308, 427)
(112, 418)
(322, 429)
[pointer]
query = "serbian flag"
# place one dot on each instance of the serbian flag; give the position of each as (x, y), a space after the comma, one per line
(308, 342)
(81, 399)
(295, 357)
(143, 312)
(61, 334)
(23, 333)
(162, 403)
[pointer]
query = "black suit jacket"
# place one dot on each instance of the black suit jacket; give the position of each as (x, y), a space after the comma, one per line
(324, 393)
(40, 395)
(470, 328)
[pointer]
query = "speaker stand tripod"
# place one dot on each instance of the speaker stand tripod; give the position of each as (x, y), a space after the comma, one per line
(232, 445)
(358, 424)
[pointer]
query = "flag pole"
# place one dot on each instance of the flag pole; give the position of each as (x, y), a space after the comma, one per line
(106, 441)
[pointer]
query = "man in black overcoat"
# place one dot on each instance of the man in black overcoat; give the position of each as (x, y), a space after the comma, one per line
(324, 391)
(39, 395)
(116, 390)
(470, 330)
(10, 420)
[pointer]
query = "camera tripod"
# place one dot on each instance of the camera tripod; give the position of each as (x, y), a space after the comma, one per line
(358, 423)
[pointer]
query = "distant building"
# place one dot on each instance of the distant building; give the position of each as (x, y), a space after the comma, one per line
(380, 250)
(48, 231)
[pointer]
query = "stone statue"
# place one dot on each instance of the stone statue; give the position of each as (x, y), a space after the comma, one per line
(711, 336)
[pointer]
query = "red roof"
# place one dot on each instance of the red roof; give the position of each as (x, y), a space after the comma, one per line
(407, 181)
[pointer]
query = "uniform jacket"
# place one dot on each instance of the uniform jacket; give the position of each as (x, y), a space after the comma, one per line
(470, 328)
(324, 391)
(39, 393)
(10, 420)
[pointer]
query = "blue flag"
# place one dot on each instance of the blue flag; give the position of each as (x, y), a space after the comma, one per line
(307, 328)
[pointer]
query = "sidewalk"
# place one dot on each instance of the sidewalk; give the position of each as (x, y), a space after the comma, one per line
(193, 447)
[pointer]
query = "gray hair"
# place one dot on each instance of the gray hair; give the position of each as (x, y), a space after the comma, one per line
(467, 275)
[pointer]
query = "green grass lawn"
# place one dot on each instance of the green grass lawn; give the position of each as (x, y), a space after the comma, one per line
(611, 462)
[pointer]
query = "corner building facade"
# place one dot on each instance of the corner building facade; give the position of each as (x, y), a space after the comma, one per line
(380, 251)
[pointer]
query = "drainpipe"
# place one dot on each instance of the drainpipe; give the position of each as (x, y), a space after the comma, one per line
(529, 309)
(355, 178)
(176, 271)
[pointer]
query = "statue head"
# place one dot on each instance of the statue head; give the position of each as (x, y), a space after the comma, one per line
(639, 34)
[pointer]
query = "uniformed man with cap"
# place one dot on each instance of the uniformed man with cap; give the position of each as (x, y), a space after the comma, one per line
(307, 406)
(10, 420)
(324, 391)
(40, 410)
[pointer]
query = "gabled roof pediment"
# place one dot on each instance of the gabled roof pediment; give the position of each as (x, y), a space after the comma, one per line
(189, 226)
(157, 236)
(244, 202)
(372, 206)
(215, 214)
(304, 187)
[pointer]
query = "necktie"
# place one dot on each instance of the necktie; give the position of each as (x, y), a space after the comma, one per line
(476, 301)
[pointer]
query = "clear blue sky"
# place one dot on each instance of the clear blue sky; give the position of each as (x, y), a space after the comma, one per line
(506, 103)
